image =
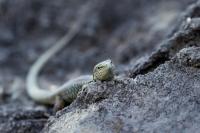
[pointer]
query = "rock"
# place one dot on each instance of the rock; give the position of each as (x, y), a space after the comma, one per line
(22, 120)
(158, 93)
(189, 56)
(186, 34)
(164, 100)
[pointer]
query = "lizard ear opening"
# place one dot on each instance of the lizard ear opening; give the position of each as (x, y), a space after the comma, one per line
(94, 77)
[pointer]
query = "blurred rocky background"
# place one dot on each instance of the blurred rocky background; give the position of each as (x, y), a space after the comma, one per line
(154, 44)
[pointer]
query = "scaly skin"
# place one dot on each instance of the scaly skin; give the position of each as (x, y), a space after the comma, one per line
(68, 92)
(103, 71)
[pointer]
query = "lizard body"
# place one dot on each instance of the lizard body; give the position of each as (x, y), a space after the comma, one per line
(103, 71)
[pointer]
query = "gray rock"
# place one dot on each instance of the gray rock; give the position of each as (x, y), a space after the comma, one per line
(16, 120)
(189, 57)
(185, 34)
(165, 100)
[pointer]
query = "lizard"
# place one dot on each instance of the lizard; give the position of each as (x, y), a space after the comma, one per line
(69, 90)
(103, 71)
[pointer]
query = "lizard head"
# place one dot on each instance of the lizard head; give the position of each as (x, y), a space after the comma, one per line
(104, 71)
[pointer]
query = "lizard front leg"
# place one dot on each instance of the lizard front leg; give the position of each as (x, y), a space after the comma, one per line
(58, 104)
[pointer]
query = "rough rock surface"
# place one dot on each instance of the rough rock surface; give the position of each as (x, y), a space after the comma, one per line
(157, 92)
(185, 34)
(22, 120)
(164, 99)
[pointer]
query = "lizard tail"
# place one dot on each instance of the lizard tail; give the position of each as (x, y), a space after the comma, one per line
(33, 89)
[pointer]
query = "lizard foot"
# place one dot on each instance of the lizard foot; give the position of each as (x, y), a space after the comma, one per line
(58, 105)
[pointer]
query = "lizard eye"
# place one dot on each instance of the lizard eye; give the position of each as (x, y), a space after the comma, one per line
(99, 67)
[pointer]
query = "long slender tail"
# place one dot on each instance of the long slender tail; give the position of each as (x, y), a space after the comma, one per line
(33, 89)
